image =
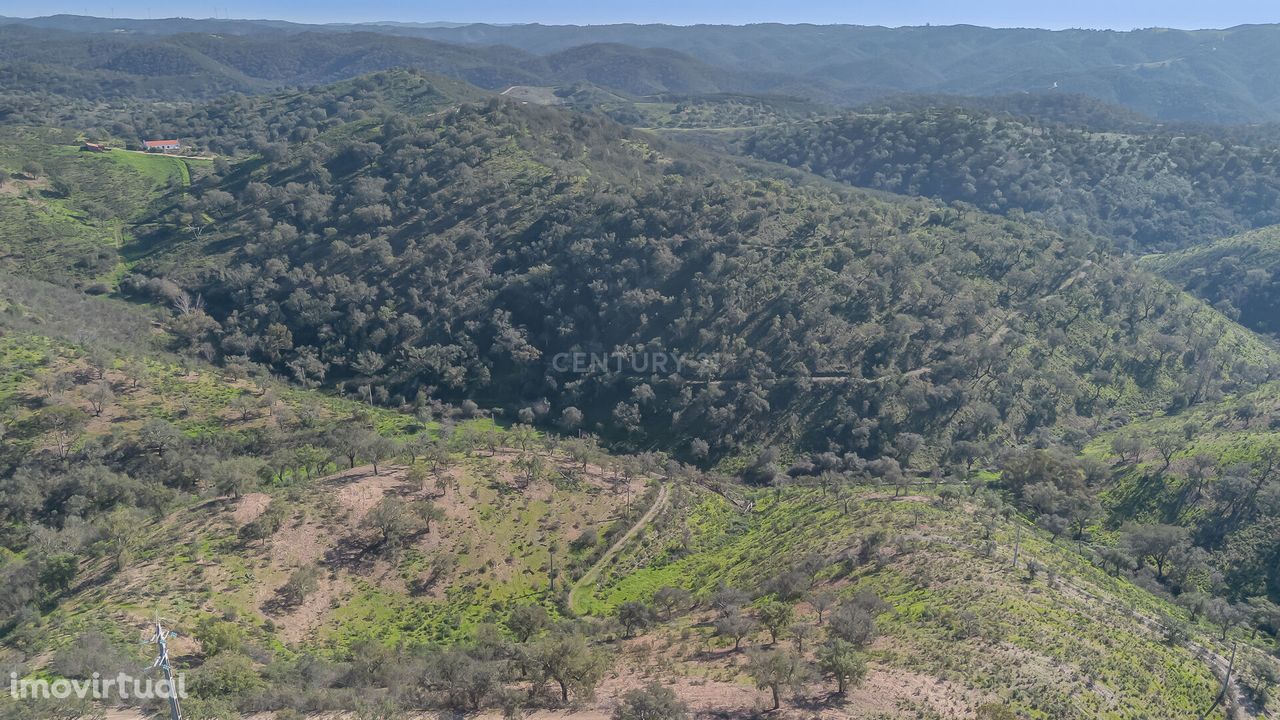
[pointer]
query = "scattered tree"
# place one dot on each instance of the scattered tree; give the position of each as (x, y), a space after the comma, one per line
(734, 625)
(841, 660)
(527, 621)
(775, 617)
(635, 615)
(776, 670)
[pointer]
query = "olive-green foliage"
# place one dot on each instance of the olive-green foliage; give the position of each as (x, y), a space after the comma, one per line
(652, 702)
(939, 324)
(1236, 274)
(1151, 191)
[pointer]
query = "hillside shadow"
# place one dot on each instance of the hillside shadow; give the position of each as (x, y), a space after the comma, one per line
(1137, 492)
(825, 701)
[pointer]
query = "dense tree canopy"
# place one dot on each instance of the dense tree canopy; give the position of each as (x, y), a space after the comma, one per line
(457, 255)
(1147, 190)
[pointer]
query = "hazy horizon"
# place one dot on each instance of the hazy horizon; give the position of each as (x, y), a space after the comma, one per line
(1090, 14)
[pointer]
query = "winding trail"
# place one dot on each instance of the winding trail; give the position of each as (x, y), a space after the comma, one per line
(591, 575)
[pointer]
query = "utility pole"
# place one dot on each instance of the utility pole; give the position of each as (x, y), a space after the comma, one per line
(162, 661)
(1017, 545)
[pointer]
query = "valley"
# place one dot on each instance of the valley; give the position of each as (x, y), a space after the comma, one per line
(972, 408)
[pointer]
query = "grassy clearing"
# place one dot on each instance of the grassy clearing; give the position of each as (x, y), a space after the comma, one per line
(65, 213)
(162, 170)
(46, 239)
(199, 401)
(122, 184)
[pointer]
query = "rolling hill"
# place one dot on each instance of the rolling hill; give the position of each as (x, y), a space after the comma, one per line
(191, 65)
(1201, 75)
(1169, 75)
(437, 255)
(67, 212)
(295, 590)
(1236, 274)
(1149, 189)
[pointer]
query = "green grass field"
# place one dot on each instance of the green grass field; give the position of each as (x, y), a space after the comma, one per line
(65, 213)
(162, 170)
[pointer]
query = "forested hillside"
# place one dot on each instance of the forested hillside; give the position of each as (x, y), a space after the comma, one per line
(462, 566)
(458, 254)
(1059, 109)
(135, 483)
(34, 62)
(1159, 72)
(1170, 75)
(241, 125)
(717, 112)
(1148, 191)
(1188, 502)
(1236, 275)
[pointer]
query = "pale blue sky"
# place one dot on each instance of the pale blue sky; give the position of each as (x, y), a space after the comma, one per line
(1115, 14)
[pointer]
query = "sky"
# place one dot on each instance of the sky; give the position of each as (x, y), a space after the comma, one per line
(1054, 14)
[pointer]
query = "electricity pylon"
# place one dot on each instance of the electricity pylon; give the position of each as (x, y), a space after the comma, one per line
(162, 661)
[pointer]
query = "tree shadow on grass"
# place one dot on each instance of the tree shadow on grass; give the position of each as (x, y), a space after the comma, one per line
(353, 554)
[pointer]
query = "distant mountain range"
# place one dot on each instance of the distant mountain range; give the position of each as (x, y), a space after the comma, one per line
(1228, 76)
(203, 64)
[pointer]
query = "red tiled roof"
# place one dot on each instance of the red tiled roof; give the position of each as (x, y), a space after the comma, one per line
(158, 143)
